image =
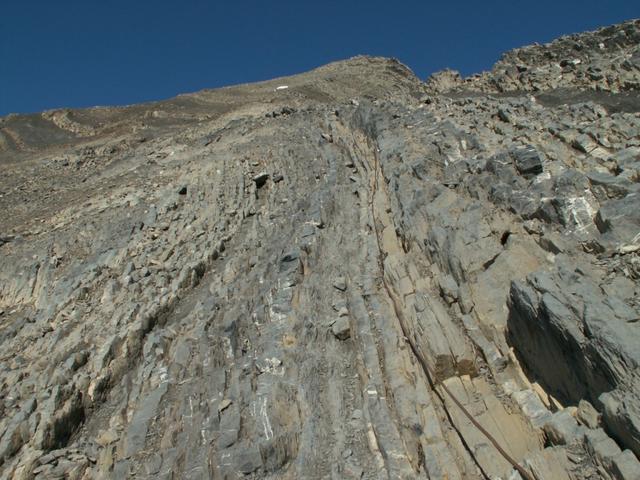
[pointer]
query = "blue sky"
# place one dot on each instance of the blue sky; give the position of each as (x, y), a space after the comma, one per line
(69, 53)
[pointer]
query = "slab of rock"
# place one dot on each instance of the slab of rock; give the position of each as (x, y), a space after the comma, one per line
(580, 344)
(527, 160)
(341, 328)
(340, 283)
(562, 428)
(587, 415)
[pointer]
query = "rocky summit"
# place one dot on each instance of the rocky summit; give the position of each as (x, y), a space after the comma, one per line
(348, 273)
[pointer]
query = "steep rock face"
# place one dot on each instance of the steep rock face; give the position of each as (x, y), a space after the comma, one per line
(582, 343)
(343, 274)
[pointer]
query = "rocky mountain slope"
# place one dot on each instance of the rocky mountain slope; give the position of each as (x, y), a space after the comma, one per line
(347, 273)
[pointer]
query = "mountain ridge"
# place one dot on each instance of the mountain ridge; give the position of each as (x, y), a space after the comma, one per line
(361, 275)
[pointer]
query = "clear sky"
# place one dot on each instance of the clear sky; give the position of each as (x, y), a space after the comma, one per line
(78, 53)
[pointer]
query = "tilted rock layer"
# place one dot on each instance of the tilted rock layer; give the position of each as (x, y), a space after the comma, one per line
(347, 273)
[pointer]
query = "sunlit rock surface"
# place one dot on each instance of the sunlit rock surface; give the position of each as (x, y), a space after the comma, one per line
(328, 280)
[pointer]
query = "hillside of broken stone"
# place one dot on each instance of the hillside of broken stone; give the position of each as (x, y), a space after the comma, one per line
(344, 274)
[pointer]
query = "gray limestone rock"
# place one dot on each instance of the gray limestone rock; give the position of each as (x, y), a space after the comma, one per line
(167, 271)
(625, 466)
(587, 415)
(341, 328)
(562, 428)
(340, 283)
(527, 160)
(580, 344)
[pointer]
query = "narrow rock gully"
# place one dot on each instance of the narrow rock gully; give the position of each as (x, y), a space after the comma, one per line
(428, 371)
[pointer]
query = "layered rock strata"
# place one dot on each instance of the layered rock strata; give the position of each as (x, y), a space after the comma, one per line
(361, 275)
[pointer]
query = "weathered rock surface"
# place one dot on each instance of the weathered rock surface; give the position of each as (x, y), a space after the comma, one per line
(360, 275)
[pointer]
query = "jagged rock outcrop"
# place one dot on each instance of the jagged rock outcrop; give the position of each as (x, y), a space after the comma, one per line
(606, 60)
(347, 273)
